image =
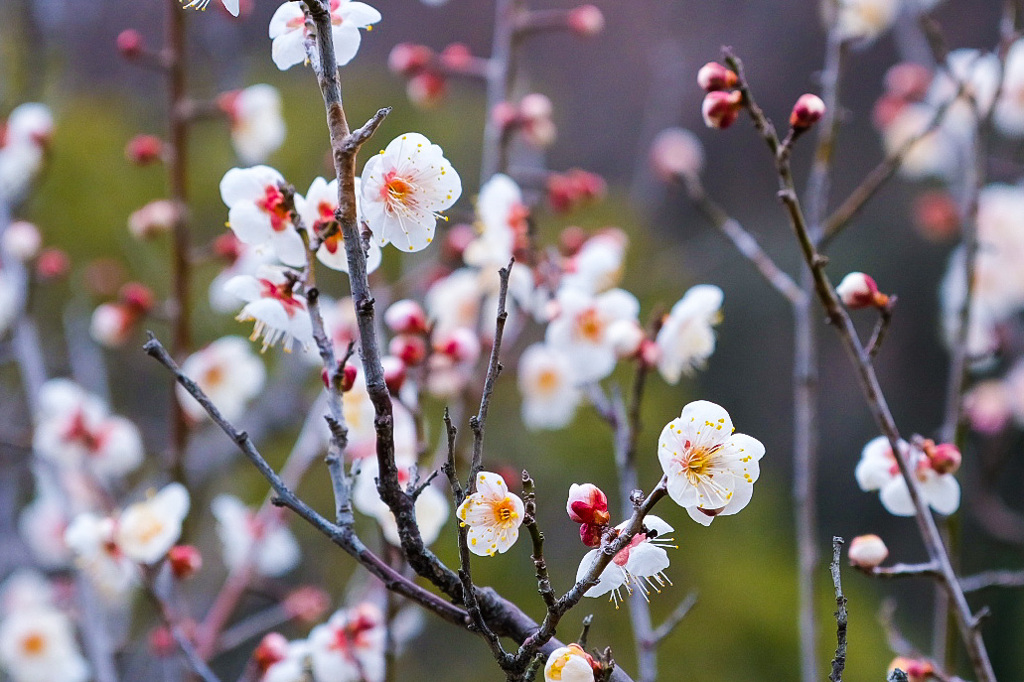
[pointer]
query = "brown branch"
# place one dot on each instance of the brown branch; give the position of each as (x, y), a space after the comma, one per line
(839, 660)
(881, 327)
(537, 537)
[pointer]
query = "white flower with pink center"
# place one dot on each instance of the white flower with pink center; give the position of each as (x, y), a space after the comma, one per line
(405, 188)
(350, 646)
(92, 538)
(639, 565)
(257, 127)
(75, 429)
(244, 535)
(581, 330)
(598, 265)
(878, 470)
(258, 213)
(288, 31)
(279, 313)
(550, 395)
(317, 210)
(228, 373)
(711, 470)
(687, 336)
(38, 644)
(502, 223)
(493, 516)
(146, 530)
(431, 507)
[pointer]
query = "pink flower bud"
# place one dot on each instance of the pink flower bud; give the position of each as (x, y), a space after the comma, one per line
(945, 458)
(590, 534)
(410, 349)
(143, 150)
(184, 560)
(456, 57)
(721, 109)
(22, 240)
(867, 551)
(586, 21)
(676, 153)
(936, 215)
(587, 504)
(52, 264)
(425, 89)
(394, 372)
(155, 218)
(161, 642)
(460, 344)
(908, 81)
(885, 111)
(807, 111)
(649, 353)
(271, 649)
(348, 377)
(111, 324)
(858, 290)
(713, 76)
(307, 604)
(228, 247)
(535, 106)
(505, 115)
(408, 59)
(571, 240)
(567, 191)
(130, 43)
(406, 317)
(137, 297)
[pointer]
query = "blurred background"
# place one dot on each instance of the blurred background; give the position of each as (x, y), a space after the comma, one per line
(611, 94)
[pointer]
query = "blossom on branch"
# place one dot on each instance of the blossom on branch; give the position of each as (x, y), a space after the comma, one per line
(247, 536)
(550, 394)
(146, 530)
(687, 337)
(257, 127)
(641, 564)
(258, 213)
(569, 664)
(711, 470)
(288, 31)
(279, 314)
(350, 646)
(317, 211)
(493, 515)
(404, 189)
(878, 470)
(227, 372)
(581, 330)
(38, 644)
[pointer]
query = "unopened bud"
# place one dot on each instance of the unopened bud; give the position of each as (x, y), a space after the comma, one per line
(394, 372)
(184, 560)
(587, 504)
(155, 218)
(111, 324)
(867, 551)
(916, 670)
(161, 642)
(137, 297)
(228, 247)
(945, 458)
(348, 377)
(456, 57)
(676, 153)
(461, 345)
(307, 604)
(858, 290)
(721, 109)
(586, 21)
(713, 76)
(22, 240)
(143, 150)
(425, 89)
(406, 317)
(590, 534)
(271, 649)
(52, 264)
(571, 240)
(408, 59)
(130, 43)
(535, 106)
(936, 215)
(410, 349)
(567, 191)
(807, 111)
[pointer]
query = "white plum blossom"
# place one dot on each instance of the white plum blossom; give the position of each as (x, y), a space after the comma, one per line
(228, 373)
(878, 470)
(23, 149)
(935, 154)
(404, 189)
(493, 516)
(550, 395)
(1009, 112)
(230, 5)
(146, 530)
(288, 31)
(865, 19)
(291, 668)
(273, 549)
(317, 210)
(258, 213)
(598, 265)
(502, 224)
(42, 524)
(581, 330)
(641, 564)
(350, 646)
(75, 429)
(38, 645)
(569, 664)
(93, 540)
(687, 336)
(257, 127)
(711, 470)
(245, 260)
(431, 506)
(278, 313)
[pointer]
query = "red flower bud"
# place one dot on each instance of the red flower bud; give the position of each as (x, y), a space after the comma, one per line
(411, 350)
(406, 317)
(143, 150)
(130, 43)
(590, 534)
(858, 290)
(587, 504)
(271, 649)
(713, 76)
(945, 458)
(137, 297)
(348, 377)
(394, 372)
(425, 89)
(586, 21)
(456, 57)
(408, 59)
(52, 264)
(721, 109)
(807, 111)
(185, 561)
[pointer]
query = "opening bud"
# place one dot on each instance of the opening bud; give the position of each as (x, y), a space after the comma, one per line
(586, 21)
(807, 111)
(858, 290)
(143, 150)
(184, 560)
(271, 649)
(867, 551)
(406, 317)
(587, 504)
(394, 372)
(945, 458)
(713, 76)
(721, 109)
(410, 349)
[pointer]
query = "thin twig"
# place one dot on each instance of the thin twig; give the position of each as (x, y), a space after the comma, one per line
(881, 327)
(926, 570)
(987, 579)
(839, 660)
(530, 521)
(674, 618)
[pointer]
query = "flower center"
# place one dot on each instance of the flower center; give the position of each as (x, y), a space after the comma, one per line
(213, 377)
(283, 294)
(274, 204)
(548, 381)
(78, 432)
(397, 191)
(590, 326)
(149, 527)
(697, 464)
(33, 644)
(505, 514)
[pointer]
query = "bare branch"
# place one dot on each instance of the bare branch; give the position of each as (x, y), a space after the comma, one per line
(674, 618)
(839, 661)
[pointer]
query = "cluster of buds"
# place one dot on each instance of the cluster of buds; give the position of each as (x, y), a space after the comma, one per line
(944, 458)
(409, 345)
(867, 551)
(722, 104)
(588, 506)
(905, 84)
(427, 70)
(112, 323)
(858, 290)
(573, 188)
(531, 118)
